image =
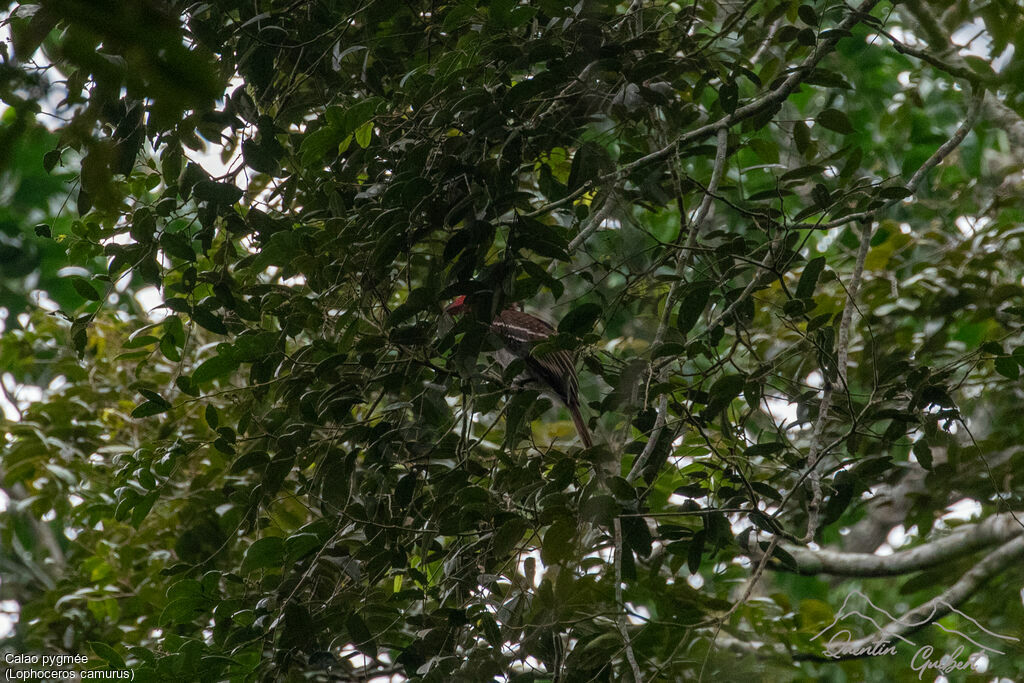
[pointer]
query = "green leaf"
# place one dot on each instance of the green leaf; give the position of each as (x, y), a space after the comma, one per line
(142, 508)
(809, 278)
(168, 349)
(580, 319)
(728, 96)
(217, 193)
(299, 630)
(895, 192)
(1007, 367)
(298, 546)
(177, 245)
(694, 300)
(807, 15)
(546, 240)
(588, 164)
(621, 489)
(107, 653)
(784, 559)
(249, 347)
(600, 509)
(361, 636)
(363, 134)
(209, 320)
(212, 368)
(695, 551)
(636, 533)
(150, 408)
(267, 552)
(509, 535)
(140, 342)
(835, 120)
(85, 289)
(764, 449)
(316, 144)
(155, 398)
(490, 628)
(723, 391)
(558, 545)
(923, 453)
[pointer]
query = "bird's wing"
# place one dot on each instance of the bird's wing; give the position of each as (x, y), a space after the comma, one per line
(521, 331)
(523, 328)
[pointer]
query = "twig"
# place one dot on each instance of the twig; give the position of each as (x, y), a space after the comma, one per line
(815, 451)
(843, 344)
(584, 234)
(682, 261)
(767, 101)
(948, 146)
(958, 70)
(765, 271)
(758, 573)
(620, 605)
(936, 158)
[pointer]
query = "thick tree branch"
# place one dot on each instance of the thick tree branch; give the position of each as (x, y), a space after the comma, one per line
(997, 561)
(964, 540)
(936, 36)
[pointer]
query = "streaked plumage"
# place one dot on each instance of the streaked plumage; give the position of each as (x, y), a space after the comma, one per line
(520, 332)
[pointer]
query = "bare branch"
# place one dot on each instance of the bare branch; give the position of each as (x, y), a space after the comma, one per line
(956, 68)
(998, 560)
(592, 225)
(962, 541)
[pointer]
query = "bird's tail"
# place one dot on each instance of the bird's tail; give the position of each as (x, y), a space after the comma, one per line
(581, 425)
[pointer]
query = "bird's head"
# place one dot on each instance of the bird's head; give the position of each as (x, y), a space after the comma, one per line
(458, 306)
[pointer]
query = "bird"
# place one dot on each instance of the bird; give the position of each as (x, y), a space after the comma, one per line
(519, 332)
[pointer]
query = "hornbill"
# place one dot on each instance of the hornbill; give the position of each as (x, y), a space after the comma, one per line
(519, 332)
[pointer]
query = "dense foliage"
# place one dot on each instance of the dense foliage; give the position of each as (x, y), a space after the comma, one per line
(784, 240)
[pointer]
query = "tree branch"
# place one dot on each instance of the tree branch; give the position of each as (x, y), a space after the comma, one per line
(958, 68)
(815, 451)
(592, 225)
(771, 99)
(936, 158)
(941, 605)
(620, 620)
(963, 540)
(696, 225)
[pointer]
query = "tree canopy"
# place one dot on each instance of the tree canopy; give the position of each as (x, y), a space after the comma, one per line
(243, 441)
